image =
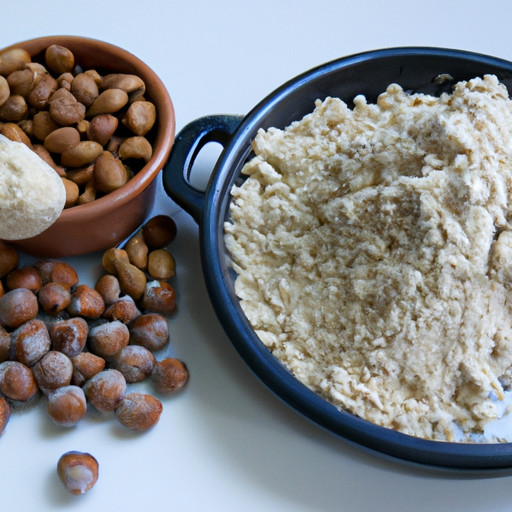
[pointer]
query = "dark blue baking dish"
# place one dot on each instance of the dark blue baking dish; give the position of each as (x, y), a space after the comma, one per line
(369, 73)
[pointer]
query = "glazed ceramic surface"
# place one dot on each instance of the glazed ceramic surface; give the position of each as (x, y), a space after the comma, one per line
(103, 223)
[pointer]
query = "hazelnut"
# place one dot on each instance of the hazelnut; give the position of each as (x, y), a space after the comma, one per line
(159, 231)
(169, 375)
(124, 310)
(69, 336)
(5, 345)
(5, 413)
(161, 264)
(86, 302)
(85, 366)
(159, 297)
(134, 362)
(17, 381)
(53, 371)
(137, 251)
(78, 471)
(108, 287)
(64, 274)
(54, 298)
(25, 277)
(150, 330)
(105, 390)
(17, 307)
(67, 405)
(106, 339)
(8, 258)
(57, 272)
(30, 341)
(139, 411)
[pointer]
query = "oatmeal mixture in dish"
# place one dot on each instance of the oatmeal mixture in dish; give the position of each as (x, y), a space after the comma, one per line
(373, 248)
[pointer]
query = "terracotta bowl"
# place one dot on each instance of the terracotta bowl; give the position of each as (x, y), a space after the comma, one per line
(106, 221)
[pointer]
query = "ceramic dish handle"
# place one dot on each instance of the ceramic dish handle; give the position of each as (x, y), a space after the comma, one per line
(189, 141)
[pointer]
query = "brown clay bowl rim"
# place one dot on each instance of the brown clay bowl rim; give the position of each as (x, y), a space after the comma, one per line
(158, 94)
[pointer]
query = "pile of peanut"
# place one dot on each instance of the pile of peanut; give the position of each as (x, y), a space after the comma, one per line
(77, 345)
(93, 129)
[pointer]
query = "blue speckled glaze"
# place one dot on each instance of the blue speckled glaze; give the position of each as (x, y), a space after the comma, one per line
(367, 73)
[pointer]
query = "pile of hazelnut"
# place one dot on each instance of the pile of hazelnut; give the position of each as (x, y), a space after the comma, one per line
(93, 127)
(77, 345)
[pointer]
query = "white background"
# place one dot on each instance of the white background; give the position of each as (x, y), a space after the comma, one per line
(226, 443)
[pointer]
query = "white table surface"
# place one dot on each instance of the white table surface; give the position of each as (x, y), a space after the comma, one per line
(226, 443)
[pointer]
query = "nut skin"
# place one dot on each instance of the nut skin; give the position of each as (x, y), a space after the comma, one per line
(102, 127)
(17, 381)
(78, 471)
(17, 307)
(140, 117)
(25, 277)
(161, 264)
(124, 309)
(9, 258)
(86, 302)
(139, 411)
(106, 339)
(12, 60)
(149, 330)
(53, 371)
(169, 375)
(136, 363)
(5, 414)
(54, 271)
(30, 341)
(64, 109)
(105, 390)
(108, 287)
(5, 345)
(137, 250)
(54, 298)
(159, 231)
(85, 366)
(69, 336)
(67, 405)
(159, 297)
(109, 173)
(59, 59)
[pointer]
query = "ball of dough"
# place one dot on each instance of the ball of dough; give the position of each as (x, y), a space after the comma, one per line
(32, 194)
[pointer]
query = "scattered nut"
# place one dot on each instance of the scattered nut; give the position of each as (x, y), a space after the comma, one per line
(159, 231)
(30, 341)
(106, 339)
(139, 411)
(25, 277)
(108, 287)
(78, 471)
(69, 336)
(159, 297)
(150, 330)
(8, 258)
(169, 375)
(67, 405)
(53, 371)
(85, 366)
(134, 362)
(5, 414)
(17, 307)
(86, 302)
(54, 298)
(124, 310)
(105, 390)
(17, 381)
(161, 264)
